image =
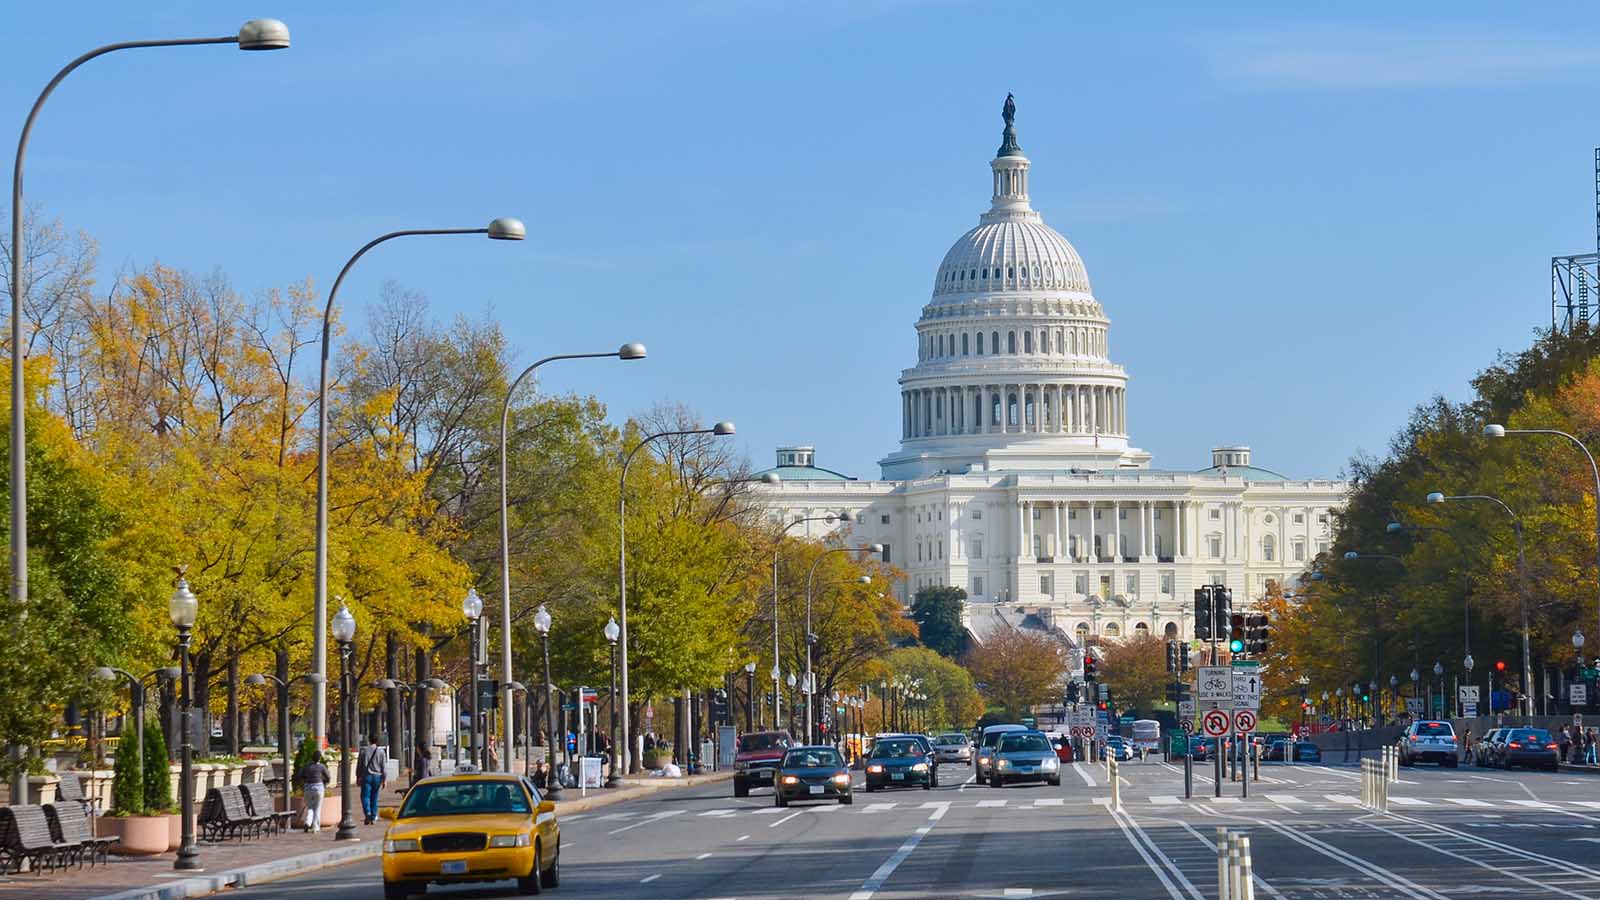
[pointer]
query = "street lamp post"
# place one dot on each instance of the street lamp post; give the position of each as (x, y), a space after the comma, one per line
(256, 34)
(1496, 431)
(502, 229)
(811, 735)
(612, 632)
(183, 608)
(1415, 692)
(472, 608)
(791, 682)
(344, 631)
(721, 429)
(552, 784)
(627, 351)
(284, 736)
(136, 697)
(844, 516)
(1438, 673)
(750, 696)
(1522, 589)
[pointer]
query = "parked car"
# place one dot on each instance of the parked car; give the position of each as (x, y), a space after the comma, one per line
(1429, 741)
(1118, 748)
(1063, 747)
(1201, 748)
(757, 759)
(1305, 751)
(1531, 747)
(1487, 751)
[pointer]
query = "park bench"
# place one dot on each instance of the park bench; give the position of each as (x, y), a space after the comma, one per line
(71, 788)
(70, 825)
(25, 837)
(225, 815)
(259, 801)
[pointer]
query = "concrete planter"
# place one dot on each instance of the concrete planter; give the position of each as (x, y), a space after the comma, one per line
(137, 835)
(257, 771)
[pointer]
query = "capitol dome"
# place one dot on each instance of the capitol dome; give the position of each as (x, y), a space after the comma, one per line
(1014, 368)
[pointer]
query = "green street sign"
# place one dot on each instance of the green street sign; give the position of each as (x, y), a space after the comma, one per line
(1590, 673)
(1247, 664)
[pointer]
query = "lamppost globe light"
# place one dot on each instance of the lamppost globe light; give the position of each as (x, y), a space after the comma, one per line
(256, 679)
(1394, 528)
(634, 350)
(1351, 554)
(344, 625)
(1415, 675)
(541, 620)
(612, 630)
(472, 604)
(723, 429)
(506, 228)
(183, 607)
(437, 684)
(749, 668)
(263, 34)
(1465, 663)
(791, 679)
(385, 684)
(1394, 680)
(1496, 431)
(102, 673)
(1577, 640)
(865, 579)
(776, 673)
(1435, 497)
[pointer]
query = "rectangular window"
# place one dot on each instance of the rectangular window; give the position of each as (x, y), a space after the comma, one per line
(1132, 585)
(1322, 518)
(1214, 546)
(883, 520)
(1299, 551)
(1046, 587)
(1036, 513)
(1216, 515)
(1081, 583)
(1299, 518)
(977, 515)
(1166, 582)
(1157, 513)
(919, 551)
(977, 548)
(941, 549)
(1072, 514)
(1122, 514)
(886, 558)
(1097, 515)
(977, 588)
(1322, 547)
(1219, 578)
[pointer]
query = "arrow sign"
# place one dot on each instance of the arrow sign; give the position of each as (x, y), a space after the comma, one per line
(1244, 721)
(1215, 722)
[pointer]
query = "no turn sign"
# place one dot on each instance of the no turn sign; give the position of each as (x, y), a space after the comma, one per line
(1215, 722)
(1244, 720)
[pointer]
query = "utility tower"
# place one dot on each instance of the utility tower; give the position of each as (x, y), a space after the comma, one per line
(1575, 280)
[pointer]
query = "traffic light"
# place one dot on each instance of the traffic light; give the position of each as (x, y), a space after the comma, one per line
(1222, 602)
(1089, 666)
(1183, 657)
(1500, 666)
(1255, 635)
(1203, 617)
(1072, 692)
(1172, 656)
(1236, 633)
(1100, 705)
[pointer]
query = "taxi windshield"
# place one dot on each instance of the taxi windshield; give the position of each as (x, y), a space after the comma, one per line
(813, 758)
(461, 798)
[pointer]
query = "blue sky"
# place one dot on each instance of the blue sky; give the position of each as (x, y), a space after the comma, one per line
(1301, 222)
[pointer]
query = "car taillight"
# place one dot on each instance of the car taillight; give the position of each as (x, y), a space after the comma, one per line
(1550, 746)
(1414, 739)
(1515, 744)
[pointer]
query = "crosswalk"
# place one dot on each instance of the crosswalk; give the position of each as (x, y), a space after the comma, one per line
(866, 809)
(1394, 800)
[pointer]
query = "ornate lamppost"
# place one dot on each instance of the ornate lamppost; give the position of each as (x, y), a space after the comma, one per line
(344, 631)
(183, 609)
(750, 696)
(552, 784)
(472, 608)
(612, 632)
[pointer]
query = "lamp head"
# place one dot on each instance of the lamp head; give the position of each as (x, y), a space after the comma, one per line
(507, 229)
(874, 548)
(769, 478)
(472, 604)
(1467, 663)
(102, 673)
(515, 685)
(312, 678)
(631, 351)
(263, 34)
(790, 679)
(541, 620)
(749, 668)
(1577, 639)
(1435, 497)
(777, 673)
(344, 625)
(385, 684)
(437, 684)
(1415, 674)
(723, 429)
(846, 516)
(612, 630)
(1351, 554)
(1394, 528)
(256, 679)
(1494, 431)
(184, 606)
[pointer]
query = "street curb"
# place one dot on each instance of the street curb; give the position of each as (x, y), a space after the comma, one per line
(261, 873)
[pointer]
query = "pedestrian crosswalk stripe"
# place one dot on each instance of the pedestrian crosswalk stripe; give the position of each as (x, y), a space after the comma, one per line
(720, 813)
(1049, 801)
(1533, 804)
(1342, 798)
(934, 804)
(1586, 804)
(832, 807)
(880, 807)
(1165, 801)
(770, 810)
(990, 803)
(1224, 799)
(1466, 801)
(1284, 798)
(1408, 801)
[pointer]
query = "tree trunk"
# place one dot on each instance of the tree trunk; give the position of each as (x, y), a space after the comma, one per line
(424, 706)
(199, 716)
(230, 722)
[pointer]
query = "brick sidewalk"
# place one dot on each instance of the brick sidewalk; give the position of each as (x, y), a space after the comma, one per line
(126, 872)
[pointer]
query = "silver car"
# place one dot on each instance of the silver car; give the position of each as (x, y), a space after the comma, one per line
(952, 747)
(1024, 756)
(986, 744)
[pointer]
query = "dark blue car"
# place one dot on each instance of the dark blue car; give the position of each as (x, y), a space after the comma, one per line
(899, 762)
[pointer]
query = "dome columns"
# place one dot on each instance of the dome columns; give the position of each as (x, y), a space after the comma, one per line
(1063, 408)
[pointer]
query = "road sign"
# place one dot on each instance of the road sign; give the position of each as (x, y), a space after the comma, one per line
(1246, 689)
(1215, 722)
(1186, 710)
(1246, 664)
(1469, 708)
(1187, 726)
(1578, 694)
(1214, 684)
(1468, 693)
(1081, 716)
(1325, 719)
(1081, 731)
(1414, 707)
(1244, 720)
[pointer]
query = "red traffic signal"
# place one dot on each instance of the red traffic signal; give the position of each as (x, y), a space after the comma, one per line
(1500, 666)
(1102, 704)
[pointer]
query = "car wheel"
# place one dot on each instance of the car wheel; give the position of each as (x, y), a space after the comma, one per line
(870, 788)
(740, 788)
(396, 890)
(777, 798)
(1056, 781)
(927, 785)
(995, 782)
(532, 883)
(1553, 767)
(846, 800)
(1451, 763)
(551, 877)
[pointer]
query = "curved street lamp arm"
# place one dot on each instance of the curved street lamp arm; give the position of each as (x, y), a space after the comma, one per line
(1593, 468)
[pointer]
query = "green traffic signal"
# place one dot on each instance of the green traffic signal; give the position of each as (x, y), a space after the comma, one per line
(1236, 646)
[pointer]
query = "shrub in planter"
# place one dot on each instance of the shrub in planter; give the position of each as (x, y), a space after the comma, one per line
(157, 775)
(127, 783)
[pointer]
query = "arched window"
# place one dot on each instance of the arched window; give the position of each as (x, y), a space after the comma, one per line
(1027, 342)
(964, 345)
(994, 409)
(1171, 630)
(1083, 633)
(1141, 630)
(1269, 548)
(1111, 630)
(1060, 346)
(1011, 342)
(1098, 539)
(1044, 342)
(941, 345)
(1011, 272)
(1011, 410)
(1038, 546)
(1030, 410)
(994, 342)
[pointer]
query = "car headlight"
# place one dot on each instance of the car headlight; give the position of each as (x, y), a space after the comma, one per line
(1049, 762)
(791, 779)
(983, 759)
(875, 769)
(1002, 764)
(841, 779)
(919, 767)
(742, 766)
(400, 845)
(509, 840)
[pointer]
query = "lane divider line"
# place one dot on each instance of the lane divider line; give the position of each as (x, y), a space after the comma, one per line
(875, 881)
(1365, 867)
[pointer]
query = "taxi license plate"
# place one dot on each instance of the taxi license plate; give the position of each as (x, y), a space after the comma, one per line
(816, 788)
(453, 867)
(898, 776)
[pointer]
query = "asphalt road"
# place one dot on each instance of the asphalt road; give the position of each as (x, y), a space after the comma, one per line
(1448, 833)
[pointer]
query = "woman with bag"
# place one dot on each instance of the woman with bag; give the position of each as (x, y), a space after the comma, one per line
(314, 779)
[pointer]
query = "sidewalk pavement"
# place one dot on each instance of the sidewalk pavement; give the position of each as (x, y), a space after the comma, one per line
(237, 864)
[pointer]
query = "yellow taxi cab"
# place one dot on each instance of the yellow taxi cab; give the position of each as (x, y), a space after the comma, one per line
(470, 826)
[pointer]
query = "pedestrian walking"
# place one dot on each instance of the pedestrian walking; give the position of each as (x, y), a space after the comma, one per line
(1589, 749)
(1466, 745)
(372, 767)
(314, 778)
(1563, 743)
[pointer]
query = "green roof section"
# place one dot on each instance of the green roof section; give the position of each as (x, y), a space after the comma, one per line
(804, 473)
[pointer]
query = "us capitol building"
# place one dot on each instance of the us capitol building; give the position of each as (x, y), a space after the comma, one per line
(1016, 478)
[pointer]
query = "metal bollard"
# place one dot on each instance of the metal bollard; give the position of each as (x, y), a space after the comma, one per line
(1235, 875)
(1224, 887)
(1366, 783)
(1116, 785)
(1246, 872)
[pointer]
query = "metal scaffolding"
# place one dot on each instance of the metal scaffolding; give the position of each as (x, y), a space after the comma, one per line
(1575, 280)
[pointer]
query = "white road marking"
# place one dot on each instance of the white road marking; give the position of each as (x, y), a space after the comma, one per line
(882, 873)
(1019, 892)
(1260, 882)
(1412, 801)
(1283, 798)
(1533, 804)
(1139, 840)
(987, 804)
(1083, 773)
(1587, 804)
(720, 813)
(1365, 867)
(1560, 864)
(1342, 798)
(1166, 801)
(646, 821)
(787, 818)
(1467, 801)
(649, 878)
(742, 837)
(1049, 801)
(702, 856)
(934, 804)
(880, 807)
